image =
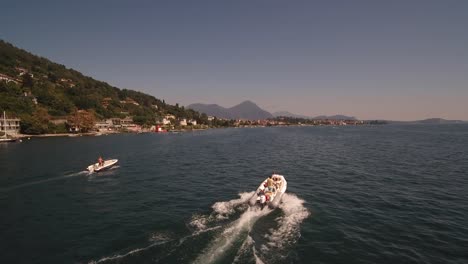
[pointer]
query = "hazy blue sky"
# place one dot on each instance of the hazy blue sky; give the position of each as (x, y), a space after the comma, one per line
(397, 60)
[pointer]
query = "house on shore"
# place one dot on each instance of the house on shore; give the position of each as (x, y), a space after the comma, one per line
(10, 125)
(104, 125)
(116, 124)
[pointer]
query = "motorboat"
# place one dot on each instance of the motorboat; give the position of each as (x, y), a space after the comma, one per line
(270, 192)
(107, 165)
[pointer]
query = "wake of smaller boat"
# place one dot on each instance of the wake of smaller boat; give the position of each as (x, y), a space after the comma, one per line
(45, 180)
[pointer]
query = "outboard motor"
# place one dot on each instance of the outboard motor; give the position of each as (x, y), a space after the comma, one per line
(262, 201)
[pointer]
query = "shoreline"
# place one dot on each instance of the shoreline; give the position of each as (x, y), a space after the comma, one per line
(23, 136)
(105, 133)
(100, 133)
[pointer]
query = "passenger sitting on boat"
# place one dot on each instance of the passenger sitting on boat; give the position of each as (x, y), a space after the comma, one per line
(277, 185)
(270, 182)
(100, 161)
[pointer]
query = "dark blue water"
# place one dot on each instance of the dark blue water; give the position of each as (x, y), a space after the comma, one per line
(383, 194)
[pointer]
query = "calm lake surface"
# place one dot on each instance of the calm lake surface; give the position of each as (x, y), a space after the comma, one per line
(374, 194)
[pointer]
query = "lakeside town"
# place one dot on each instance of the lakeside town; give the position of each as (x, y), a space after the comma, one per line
(80, 125)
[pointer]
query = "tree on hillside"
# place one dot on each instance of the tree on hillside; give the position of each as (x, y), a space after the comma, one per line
(81, 120)
(35, 124)
(60, 90)
(27, 80)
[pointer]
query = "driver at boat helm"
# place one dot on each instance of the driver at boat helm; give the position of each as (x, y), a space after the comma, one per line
(270, 182)
(100, 161)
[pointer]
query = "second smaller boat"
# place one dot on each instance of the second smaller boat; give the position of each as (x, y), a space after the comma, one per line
(107, 164)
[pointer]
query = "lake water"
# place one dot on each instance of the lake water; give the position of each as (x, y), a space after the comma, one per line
(373, 194)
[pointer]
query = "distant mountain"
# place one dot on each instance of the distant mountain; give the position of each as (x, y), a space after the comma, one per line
(336, 117)
(211, 110)
(245, 110)
(333, 117)
(249, 110)
(429, 121)
(288, 114)
(438, 121)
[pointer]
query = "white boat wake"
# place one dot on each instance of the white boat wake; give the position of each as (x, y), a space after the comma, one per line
(236, 233)
(285, 232)
(45, 180)
(226, 239)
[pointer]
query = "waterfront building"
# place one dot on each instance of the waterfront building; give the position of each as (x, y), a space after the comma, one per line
(10, 125)
(104, 125)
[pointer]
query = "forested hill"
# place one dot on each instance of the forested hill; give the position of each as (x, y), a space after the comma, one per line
(38, 90)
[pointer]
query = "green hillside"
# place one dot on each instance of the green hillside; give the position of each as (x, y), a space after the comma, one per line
(38, 90)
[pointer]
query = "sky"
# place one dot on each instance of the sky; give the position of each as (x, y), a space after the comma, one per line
(375, 59)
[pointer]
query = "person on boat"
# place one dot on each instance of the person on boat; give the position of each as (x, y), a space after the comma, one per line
(100, 161)
(270, 183)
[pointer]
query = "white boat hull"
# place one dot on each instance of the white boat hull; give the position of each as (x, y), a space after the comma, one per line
(274, 199)
(107, 165)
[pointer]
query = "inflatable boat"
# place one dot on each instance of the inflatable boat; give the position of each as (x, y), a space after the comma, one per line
(269, 192)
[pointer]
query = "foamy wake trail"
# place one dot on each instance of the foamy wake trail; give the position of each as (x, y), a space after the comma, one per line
(277, 240)
(156, 239)
(201, 224)
(225, 209)
(45, 180)
(225, 240)
(285, 233)
(288, 230)
(221, 211)
(247, 247)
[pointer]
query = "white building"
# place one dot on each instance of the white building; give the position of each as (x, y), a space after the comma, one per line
(127, 122)
(104, 125)
(183, 122)
(193, 122)
(10, 125)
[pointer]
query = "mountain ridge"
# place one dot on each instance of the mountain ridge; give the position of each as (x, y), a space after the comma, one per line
(433, 120)
(245, 110)
(251, 111)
